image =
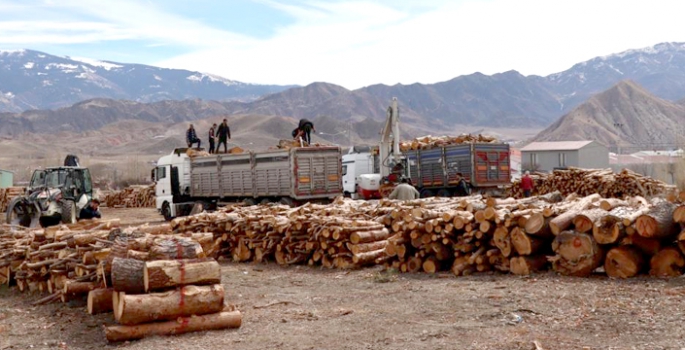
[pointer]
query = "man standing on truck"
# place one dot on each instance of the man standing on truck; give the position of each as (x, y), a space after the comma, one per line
(306, 127)
(191, 137)
(404, 191)
(224, 135)
(527, 184)
(212, 136)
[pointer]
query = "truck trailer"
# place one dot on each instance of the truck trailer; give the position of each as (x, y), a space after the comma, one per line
(291, 177)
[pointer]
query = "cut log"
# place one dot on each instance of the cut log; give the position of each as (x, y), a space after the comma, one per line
(502, 240)
(184, 302)
(369, 236)
(668, 262)
(585, 221)
(564, 221)
(78, 288)
(611, 203)
(608, 230)
(624, 262)
(221, 320)
(100, 301)
(538, 225)
(657, 222)
(577, 254)
(367, 247)
(525, 265)
(163, 274)
(128, 275)
(647, 246)
(367, 258)
(679, 214)
(171, 249)
(681, 239)
(525, 244)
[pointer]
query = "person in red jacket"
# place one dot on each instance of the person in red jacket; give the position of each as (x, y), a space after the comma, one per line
(527, 184)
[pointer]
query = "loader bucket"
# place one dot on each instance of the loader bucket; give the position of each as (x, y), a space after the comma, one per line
(21, 212)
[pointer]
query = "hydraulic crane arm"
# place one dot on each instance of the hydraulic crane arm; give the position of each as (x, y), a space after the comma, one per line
(389, 149)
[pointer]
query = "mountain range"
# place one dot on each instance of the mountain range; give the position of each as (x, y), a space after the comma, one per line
(31, 80)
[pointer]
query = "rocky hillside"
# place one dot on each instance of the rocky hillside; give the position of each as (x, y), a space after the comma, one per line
(37, 80)
(626, 114)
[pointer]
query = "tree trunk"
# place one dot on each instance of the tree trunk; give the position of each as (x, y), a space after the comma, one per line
(369, 236)
(184, 302)
(608, 230)
(525, 244)
(172, 249)
(538, 225)
(502, 240)
(525, 265)
(100, 300)
(78, 288)
(585, 221)
(368, 258)
(366, 247)
(221, 320)
(128, 275)
(658, 222)
(577, 254)
(163, 274)
(668, 262)
(564, 221)
(624, 262)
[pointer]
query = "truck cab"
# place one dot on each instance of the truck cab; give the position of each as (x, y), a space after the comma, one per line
(358, 161)
(172, 181)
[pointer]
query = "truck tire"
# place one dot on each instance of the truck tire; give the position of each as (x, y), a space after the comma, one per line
(166, 211)
(443, 192)
(265, 201)
(287, 201)
(250, 202)
(425, 193)
(68, 212)
(19, 213)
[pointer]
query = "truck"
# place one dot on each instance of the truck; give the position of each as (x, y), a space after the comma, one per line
(358, 161)
(434, 172)
(288, 176)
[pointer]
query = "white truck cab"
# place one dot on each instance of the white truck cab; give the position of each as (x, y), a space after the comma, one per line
(359, 160)
(173, 166)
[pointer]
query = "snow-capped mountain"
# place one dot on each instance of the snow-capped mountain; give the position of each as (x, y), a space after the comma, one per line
(659, 68)
(36, 80)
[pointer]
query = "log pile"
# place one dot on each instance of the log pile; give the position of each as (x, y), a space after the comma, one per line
(131, 197)
(6, 196)
(428, 142)
(585, 182)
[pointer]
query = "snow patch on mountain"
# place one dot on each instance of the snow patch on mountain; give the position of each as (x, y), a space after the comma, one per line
(65, 67)
(29, 65)
(95, 63)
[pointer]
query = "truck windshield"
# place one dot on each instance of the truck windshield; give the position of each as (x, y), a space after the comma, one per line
(55, 178)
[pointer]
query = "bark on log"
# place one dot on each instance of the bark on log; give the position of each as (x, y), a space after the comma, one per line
(100, 300)
(577, 254)
(525, 244)
(369, 236)
(624, 262)
(221, 320)
(128, 275)
(657, 222)
(163, 274)
(668, 262)
(367, 258)
(585, 221)
(525, 265)
(172, 249)
(184, 302)
(78, 288)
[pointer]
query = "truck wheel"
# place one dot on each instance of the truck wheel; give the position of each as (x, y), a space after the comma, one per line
(166, 211)
(68, 212)
(265, 201)
(426, 193)
(287, 201)
(250, 202)
(444, 193)
(19, 213)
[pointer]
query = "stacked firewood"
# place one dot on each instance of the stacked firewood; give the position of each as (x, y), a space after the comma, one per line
(131, 197)
(329, 235)
(427, 142)
(588, 181)
(6, 196)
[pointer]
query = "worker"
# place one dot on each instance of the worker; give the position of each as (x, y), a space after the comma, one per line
(462, 189)
(404, 191)
(191, 137)
(224, 133)
(306, 127)
(91, 211)
(527, 184)
(212, 137)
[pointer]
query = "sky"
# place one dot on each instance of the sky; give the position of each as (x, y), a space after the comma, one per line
(349, 43)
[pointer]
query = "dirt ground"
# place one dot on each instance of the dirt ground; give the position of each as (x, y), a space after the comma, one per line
(302, 307)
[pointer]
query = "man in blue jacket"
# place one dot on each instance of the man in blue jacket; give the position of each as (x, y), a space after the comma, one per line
(91, 210)
(191, 137)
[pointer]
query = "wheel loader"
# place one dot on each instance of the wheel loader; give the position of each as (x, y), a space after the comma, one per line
(54, 195)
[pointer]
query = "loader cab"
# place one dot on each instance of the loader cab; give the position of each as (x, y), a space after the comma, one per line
(73, 182)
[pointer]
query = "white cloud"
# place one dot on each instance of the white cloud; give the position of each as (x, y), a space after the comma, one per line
(363, 42)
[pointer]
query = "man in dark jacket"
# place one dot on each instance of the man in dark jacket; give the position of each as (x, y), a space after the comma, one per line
(306, 127)
(90, 211)
(212, 136)
(224, 134)
(462, 189)
(191, 137)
